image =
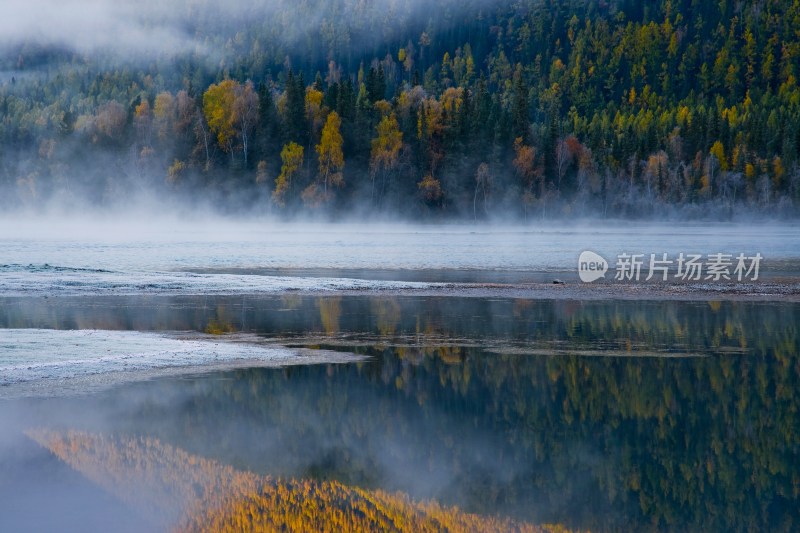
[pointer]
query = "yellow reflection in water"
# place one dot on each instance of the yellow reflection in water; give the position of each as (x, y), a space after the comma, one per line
(170, 485)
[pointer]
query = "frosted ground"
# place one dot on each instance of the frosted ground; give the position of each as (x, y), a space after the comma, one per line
(46, 362)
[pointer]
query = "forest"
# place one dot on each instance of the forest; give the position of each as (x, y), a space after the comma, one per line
(472, 110)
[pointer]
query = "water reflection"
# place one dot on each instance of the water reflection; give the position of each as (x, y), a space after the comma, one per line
(504, 325)
(182, 492)
(491, 405)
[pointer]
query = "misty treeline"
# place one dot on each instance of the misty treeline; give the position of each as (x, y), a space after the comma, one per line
(530, 108)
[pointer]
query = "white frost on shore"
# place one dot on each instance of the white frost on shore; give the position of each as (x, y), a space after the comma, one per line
(46, 280)
(51, 362)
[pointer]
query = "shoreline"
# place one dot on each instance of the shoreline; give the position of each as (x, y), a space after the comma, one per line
(773, 290)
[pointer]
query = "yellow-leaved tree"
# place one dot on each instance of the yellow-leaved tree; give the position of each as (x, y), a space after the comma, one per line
(331, 162)
(331, 158)
(218, 110)
(292, 158)
(231, 111)
(385, 150)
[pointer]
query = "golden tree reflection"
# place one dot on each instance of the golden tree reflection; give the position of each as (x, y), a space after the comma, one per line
(330, 310)
(197, 494)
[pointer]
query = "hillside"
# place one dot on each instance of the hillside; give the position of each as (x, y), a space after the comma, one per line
(476, 109)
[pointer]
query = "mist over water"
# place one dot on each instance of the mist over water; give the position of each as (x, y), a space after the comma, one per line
(208, 244)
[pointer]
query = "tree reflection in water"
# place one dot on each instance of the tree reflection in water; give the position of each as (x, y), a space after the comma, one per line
(603, 415)
(173, 488)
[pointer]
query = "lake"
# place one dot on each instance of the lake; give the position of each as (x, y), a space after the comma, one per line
(609, 414)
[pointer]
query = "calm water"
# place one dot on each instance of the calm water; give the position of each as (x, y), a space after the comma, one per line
(212, 257)
(610, 415)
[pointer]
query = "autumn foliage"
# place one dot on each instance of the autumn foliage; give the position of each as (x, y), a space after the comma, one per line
(595, 91)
